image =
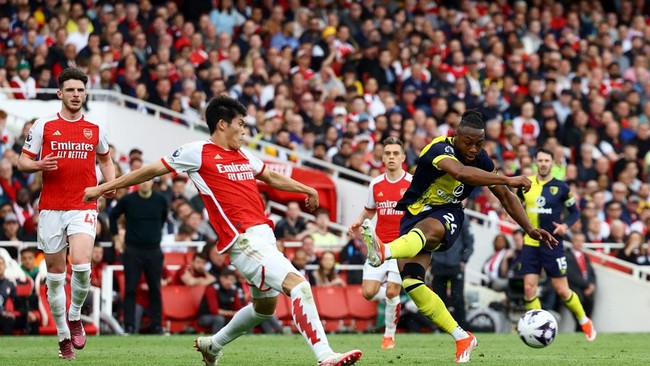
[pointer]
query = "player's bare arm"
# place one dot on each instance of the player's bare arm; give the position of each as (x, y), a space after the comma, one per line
(514, 208)
(108, 171)
(135, 177)
(365, 214)
(27, 164)
(479, 177)
(279, 181)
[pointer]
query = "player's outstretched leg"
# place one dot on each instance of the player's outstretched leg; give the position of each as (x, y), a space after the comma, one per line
(307, 320)
(79, 287)
(406, 246)
(245, 319)
(434, 308)
(56, 299)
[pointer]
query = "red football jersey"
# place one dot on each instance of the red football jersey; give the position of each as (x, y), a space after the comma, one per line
(382, 198)
(77, 143)
(226, 182)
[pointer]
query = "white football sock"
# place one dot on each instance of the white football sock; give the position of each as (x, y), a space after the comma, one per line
(393, 307)
(380, 295)
(79, 286)
(245, 319)
(459, 333)
(56, 299)
(306, 319)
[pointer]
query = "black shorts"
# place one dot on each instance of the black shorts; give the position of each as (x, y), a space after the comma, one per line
(451, 217)
(553, 261)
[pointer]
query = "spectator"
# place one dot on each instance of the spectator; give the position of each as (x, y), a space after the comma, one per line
(300, 261)
(496, 266)
(195, 273)
(10, 228)
(28, 263)
(145, 212)
(580, 274)
(24, 82)
(217, 262)
(292, 226)
(320, 231)
(220, 301)
(327, 274)
(7, 301)
(632, 249)
(354, 252)
(309, 247)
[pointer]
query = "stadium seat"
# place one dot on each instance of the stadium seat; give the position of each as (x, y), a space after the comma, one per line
(332, 307)
(175, 258)
(25, 288)
(283, 309)
(180, 306)
(362, 311)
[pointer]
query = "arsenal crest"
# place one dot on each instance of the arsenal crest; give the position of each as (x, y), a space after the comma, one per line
(88, 133)
(554, 190)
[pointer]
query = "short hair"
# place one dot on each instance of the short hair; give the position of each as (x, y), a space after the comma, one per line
(393, 141)
(72, 74)
(545, 151)
(222, 108)
(472, 118)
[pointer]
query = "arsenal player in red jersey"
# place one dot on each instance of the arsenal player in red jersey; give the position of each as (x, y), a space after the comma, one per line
(225, 175)
(385, 191)
(68, 145)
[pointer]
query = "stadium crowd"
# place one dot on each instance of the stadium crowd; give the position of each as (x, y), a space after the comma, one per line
(331, 79)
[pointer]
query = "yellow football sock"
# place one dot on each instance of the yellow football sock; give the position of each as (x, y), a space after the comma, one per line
(574, 304)
(408, 245)
(533, 303)
(429, 304)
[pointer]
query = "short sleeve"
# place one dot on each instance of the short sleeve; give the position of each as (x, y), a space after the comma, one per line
(256, 164)
(440, 151)
(102, 145)
(186, 158)
(370, 203)
(34, 140)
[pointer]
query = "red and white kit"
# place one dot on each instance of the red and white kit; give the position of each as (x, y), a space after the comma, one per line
(226, 181)
(382, 198)
(77, 144)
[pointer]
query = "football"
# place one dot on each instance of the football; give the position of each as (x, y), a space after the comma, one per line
(537, 328)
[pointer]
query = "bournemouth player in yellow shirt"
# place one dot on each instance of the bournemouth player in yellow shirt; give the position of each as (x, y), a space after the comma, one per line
(448, 171)
(545, 203)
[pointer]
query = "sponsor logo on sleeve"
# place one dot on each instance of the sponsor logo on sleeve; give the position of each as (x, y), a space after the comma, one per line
(449, 150)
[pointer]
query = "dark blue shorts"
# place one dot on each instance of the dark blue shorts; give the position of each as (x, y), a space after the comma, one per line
(553, 261)
(451, 217)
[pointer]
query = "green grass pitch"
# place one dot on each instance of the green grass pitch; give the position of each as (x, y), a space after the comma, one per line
(289, 350)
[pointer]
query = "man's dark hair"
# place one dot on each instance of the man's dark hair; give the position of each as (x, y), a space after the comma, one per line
(393, 141)
(472, 119)
(222, 108)
(545, 151)
(72, 74)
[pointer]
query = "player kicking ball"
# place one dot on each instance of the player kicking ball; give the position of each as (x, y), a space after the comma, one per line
(385, 191)
(226, 177)
(448, 170)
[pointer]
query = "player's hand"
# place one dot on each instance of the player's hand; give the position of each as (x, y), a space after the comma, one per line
(49, 162)
(354, 228)
(91, 194)
(311, 202)
(544, 236)
(110, 194)
(560, 229)
(520, 182)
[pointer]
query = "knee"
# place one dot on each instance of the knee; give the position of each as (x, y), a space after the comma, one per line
(392, 291)
(265, 306)
(368, 293)
(292, 281)
(412, 276)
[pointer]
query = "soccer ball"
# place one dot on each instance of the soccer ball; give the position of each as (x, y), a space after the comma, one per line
(537, 328)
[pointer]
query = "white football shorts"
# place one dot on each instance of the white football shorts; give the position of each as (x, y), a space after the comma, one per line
(257, 257)
(388, 271)
(55, 226)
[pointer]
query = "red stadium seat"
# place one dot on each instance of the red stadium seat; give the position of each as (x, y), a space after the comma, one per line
(362, 311)
(180, 305)
(24, 289)
(175, 258)
(332, 307)
(283, 309)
